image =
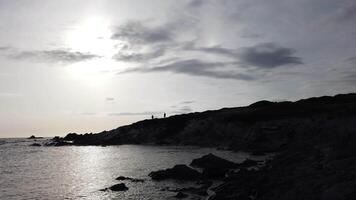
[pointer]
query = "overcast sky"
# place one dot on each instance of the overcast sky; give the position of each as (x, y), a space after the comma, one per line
(87, 66)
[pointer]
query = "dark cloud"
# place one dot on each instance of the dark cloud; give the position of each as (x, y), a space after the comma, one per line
(195, 67)
(65, 56)
(136, 32)
(139, 57)
(352, 60)
(268, 55)
(187, 102)
(182, 110)
(213, 50)
(196, 3)
(347, 12)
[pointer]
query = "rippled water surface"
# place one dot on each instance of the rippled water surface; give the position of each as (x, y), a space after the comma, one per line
(72, 172)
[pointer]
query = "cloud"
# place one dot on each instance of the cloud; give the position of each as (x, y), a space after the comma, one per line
(138, 57)
(347, 12)
(88, 113)
(9, 95)
(137, 33)
(196, 3)
(110, 99)
(184, 109)
(352, 60)
(195, 67)
(58, 55)
(187, 102)
(268, 55)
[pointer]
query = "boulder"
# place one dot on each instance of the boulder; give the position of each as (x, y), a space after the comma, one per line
(123, 178)
(248, 163)
(119, 187)
(181, 195)
(212, 161)
(214, 172)
(178, 172)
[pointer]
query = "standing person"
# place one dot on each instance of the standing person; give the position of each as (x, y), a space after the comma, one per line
(164, 115)
(152, 117)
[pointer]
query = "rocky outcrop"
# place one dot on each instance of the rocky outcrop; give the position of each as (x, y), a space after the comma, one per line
(212, 161)
(178, 172)
(122, 178)
(261, 127)
(213, 166)
(117, 187)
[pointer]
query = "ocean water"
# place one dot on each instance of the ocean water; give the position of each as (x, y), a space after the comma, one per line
(71, 172)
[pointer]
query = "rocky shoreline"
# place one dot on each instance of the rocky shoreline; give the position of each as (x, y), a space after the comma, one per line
(313, 139)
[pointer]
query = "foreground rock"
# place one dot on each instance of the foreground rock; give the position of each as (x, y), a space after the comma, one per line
(34, 137)
(247, 163)
(123, 178)
(212, 161)
(178, 172)
(117, 187)
(213, 166)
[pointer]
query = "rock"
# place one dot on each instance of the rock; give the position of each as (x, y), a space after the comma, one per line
(178, 172)
(35, 145)
(212, 161)
(215, 172)
(248, 163)
(119, 187)
(122, 178)
(34, 137)
(71, 137)
(181, 195)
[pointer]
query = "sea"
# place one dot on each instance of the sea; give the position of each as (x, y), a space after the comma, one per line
(81, 172)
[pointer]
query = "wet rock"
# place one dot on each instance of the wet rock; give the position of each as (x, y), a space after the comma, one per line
(34, 137)
(248, 163)
(212, 161)
(123, 178)
(181, 195)
(119, 187)
(214, 172)
(35, 145)
(178, 172)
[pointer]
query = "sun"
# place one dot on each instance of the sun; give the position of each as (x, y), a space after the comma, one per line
(91, 35)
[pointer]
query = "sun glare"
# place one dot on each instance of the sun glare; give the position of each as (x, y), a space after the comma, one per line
(91, 35)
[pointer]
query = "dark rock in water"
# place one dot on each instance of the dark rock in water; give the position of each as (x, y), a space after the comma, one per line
(181, 195)
(214, 172)
(35, 145)
(34, 137)
(213, 162)
(247, 163)
(119, 187)
(122, 178)
(71, 137)
(178, 172)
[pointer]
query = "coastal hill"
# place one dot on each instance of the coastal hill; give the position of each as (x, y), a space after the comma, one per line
(261, 126)
(313, 141)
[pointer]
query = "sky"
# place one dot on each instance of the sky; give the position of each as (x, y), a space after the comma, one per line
(93, 65)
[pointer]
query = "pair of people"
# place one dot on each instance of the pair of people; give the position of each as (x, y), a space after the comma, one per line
(164, 116)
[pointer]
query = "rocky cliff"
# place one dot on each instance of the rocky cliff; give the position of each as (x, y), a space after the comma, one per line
(314, 141)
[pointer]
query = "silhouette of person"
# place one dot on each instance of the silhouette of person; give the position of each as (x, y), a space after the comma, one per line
(152, 117)
(164, 115)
